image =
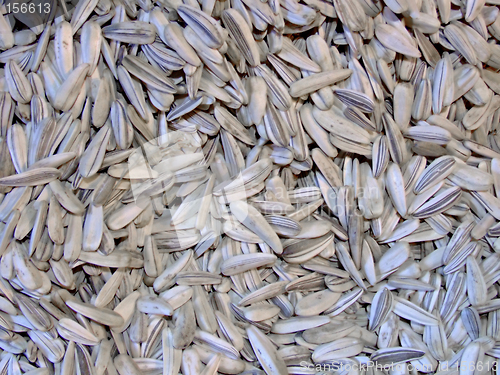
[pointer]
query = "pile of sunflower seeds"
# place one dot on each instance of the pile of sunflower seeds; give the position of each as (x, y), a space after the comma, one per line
(250, 187)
